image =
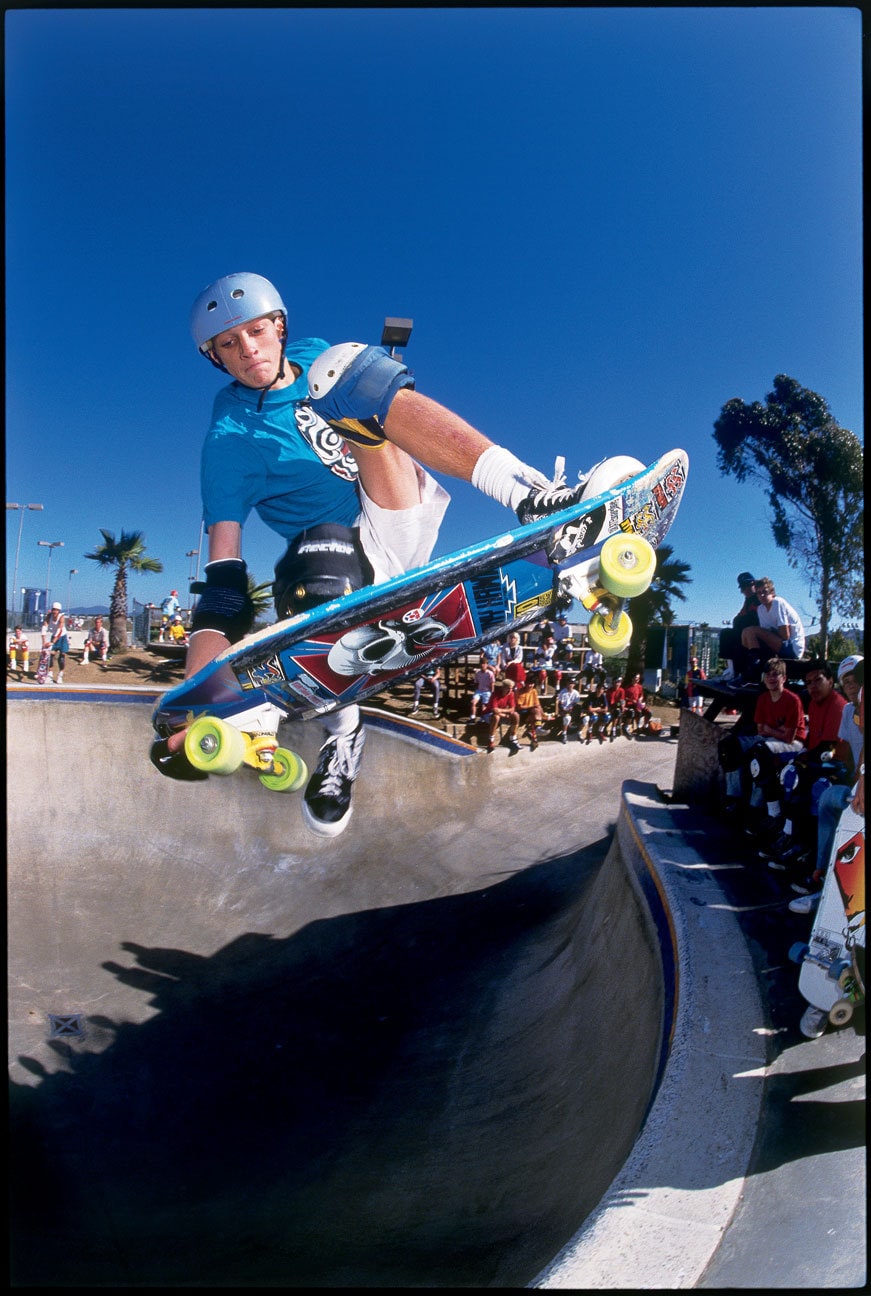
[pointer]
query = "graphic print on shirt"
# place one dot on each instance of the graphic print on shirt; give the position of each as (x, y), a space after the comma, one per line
(327, 443)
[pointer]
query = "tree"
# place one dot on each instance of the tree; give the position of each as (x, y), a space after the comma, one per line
(126, 554)
(841, 644)
(655, 603)
(812, 468)
(260, 596)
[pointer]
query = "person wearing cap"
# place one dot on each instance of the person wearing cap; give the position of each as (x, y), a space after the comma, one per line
(177, 633)
(58, 641)
(170, 604)
(731, 647)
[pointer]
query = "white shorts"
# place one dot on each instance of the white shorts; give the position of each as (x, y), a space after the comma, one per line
(397, 540)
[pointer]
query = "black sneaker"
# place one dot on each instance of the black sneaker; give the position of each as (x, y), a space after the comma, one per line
(544, 500)
(778, 848)
(327, 803)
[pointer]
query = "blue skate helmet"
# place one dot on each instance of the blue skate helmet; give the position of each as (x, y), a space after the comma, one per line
(232, 299)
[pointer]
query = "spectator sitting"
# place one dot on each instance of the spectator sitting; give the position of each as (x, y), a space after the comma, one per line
(593, 668)
(19, 651)
(731, 647)
(638, 710)
(819, 779)
(595, 716)
(511, 660)
(616, 696)
(780, 729)
(177, 633)
(529, 711)
(780, 628)
(567, 701)
(97, 642)
(485, 679)
(432, 677)
(563, 635)
(502, 706)
(837, 796)
(492, 654)
(544, 663)
(832, 805)
(801, 777)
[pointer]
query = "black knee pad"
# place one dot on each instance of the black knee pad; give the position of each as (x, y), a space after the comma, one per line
(321, 563)
(730, 752)
(761, 764)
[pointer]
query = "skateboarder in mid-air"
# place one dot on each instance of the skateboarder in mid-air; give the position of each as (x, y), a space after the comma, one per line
(328, 445)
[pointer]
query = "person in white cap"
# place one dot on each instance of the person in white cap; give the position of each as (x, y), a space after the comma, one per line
(60, 644)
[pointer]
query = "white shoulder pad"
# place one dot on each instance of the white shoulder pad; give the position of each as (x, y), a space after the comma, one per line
(330, 365)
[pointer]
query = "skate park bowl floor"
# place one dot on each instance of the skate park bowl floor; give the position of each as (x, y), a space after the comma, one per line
(467, 1043)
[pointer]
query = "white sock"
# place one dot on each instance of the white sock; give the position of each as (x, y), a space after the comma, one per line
(339, 724)
(501, 475)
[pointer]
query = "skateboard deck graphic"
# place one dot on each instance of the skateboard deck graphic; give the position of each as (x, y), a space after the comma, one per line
(43, 665)
(350, 648)
(828, 977)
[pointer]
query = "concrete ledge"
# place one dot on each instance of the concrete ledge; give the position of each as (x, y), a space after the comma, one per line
(666, 1212)
(697, 774)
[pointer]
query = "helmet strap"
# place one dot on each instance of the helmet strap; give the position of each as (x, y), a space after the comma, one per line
(278, 377)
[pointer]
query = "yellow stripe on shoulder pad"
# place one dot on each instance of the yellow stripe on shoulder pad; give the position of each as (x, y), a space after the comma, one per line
(361, 432)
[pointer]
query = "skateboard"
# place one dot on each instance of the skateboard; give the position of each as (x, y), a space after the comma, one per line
(600, 551)
(43, 665)
(831, 977)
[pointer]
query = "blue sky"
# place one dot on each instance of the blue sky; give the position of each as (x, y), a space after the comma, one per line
(605, 223)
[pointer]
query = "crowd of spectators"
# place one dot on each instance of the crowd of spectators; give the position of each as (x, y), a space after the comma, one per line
(788, 781)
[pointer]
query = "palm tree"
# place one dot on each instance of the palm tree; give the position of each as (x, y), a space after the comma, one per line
(655, 604)
(125, 553)
(261, 598)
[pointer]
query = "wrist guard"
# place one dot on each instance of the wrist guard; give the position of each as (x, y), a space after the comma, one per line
(225, 604)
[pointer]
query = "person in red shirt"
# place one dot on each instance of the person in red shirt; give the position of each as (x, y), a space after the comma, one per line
(754, 758)
(824, 712)
(617, 705)
(636, 707)
(502, 706)
(807, 774)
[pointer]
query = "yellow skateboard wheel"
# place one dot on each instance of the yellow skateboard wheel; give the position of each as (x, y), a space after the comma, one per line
(627, 565)
(214, 746)
(609, 639)
(289, 772)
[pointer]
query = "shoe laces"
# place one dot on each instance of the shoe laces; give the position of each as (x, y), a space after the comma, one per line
(558, 481)
(338, 764)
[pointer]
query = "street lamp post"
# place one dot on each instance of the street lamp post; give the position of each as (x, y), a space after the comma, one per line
(74, 571)
(396, 333)
(49, 545)
(21, 508)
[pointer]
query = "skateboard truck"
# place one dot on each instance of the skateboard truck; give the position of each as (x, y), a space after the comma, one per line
(215, 746)
(626, 567)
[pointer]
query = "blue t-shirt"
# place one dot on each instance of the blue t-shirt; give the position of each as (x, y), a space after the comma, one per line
(285, 461)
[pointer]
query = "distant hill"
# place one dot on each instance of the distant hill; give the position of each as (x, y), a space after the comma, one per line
(88, 611)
